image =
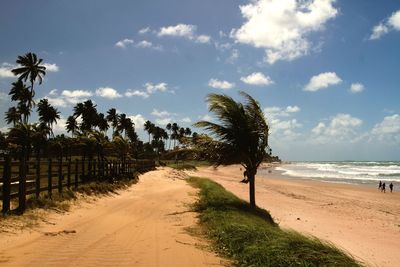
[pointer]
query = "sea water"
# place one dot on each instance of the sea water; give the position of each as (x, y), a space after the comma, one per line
(354, 172)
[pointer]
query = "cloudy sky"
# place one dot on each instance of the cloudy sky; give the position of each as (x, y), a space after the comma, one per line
(325, 72)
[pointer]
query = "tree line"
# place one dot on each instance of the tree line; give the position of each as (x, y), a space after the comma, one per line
(88, 127)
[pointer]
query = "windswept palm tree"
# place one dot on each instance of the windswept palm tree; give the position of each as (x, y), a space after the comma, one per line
(241, 137)
(102, 123)
(30, 68)
(13, 116)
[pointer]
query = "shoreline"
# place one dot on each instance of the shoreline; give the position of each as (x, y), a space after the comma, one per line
(358, 219)
(356, 182)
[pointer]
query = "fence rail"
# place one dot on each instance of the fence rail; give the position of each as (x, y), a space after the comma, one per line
(20, 178)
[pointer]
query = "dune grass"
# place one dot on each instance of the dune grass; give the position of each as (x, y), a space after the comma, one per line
(251, 238)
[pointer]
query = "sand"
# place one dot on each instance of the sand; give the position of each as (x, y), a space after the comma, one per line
(360, 220)
(142, 226)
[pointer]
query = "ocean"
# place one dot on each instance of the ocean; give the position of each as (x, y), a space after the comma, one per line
(351, 172)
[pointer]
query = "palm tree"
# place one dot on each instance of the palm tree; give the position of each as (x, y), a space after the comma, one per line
(241, 136)
(169, 128)
(47, 114)
(149, 127)
(112, 117)
(175, 134)
(102, 123)
(72, 125)
(13, 116)
(30, 68)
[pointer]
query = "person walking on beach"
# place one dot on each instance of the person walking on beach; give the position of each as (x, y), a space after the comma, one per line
(391, 187)
(245, 180)
(380, 185)
(384, 187)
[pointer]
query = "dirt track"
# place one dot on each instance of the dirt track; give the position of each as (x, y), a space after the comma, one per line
(142, 226)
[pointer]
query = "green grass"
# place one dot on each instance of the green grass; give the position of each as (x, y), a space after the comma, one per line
(251, 238)
(185, 165)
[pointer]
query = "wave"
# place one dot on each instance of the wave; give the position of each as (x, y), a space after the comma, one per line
(344, 171)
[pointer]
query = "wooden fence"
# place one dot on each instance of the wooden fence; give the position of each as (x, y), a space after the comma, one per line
(21, 178)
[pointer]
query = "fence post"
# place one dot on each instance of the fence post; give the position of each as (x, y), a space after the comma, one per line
(22, 183)
(83, 170)
(37, 182)
(6, 184)
(60, 175)
(49, 178)
(76, 173)
(69, 174)
(94, 168)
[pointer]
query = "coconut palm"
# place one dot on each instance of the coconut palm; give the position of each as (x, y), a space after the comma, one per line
(72, 125)
(149, 127)
(102, 123)
(48, 114)
(175, 132)
(112, 117)
(13, 116)
(30, 68)
(241, 137)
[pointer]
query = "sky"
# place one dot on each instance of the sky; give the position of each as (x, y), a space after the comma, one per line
(325, 72)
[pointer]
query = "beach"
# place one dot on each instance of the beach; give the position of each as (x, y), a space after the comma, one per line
(358, 219)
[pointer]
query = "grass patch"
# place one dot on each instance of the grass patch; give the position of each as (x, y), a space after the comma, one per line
(251, 238)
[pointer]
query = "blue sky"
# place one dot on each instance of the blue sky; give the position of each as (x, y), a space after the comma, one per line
(325, 72)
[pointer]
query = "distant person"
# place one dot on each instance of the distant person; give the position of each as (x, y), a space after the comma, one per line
(384, 187)
(245, 179)
(391, 187)
(380, 185)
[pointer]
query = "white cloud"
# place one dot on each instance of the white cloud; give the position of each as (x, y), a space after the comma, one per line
(53, 92)
(186, 31)
(152, 88)
(144, 30)
(394, 20)
(186, 120)
(147, 44)
(158, 113)
(57, 101)
(163, 121)
(257, 78)
(282, 127)
(342, 127)
(131, 92)
(225, 85)
(5, 70)
(107, 92)
(292, 109)
(281, 26)
(75, 96)
(51, 67)
(76, 93)
(149, 89)
(204, 39)
(322, 80)
(388, 130)
(387, 25)
(356, 87)
(378, 31)
(124, 43)
(138, 120)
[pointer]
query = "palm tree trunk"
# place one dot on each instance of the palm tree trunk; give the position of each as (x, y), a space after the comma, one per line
(252, 189)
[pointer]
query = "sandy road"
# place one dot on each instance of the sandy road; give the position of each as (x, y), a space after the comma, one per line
(142, 226)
